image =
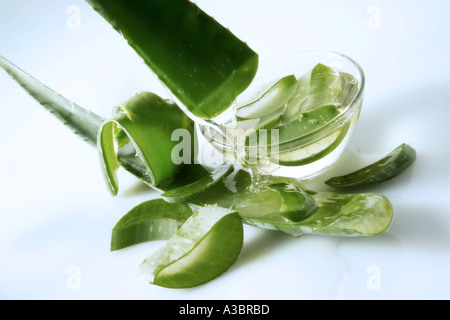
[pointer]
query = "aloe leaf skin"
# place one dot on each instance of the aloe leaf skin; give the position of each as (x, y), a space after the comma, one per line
(149, 121)
(150, 220)
(387, 168)
(83, 122)
(201, 62)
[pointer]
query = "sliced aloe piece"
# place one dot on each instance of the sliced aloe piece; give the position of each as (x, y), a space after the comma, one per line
(151, 220)
(204, 65)
(204, 247)
(83, 122)
(400, 159)
(278, 203)
(308, 122)
(349, 89)
(273, 100)
(325, 87)
(190, 191)
(315, 151)
(149, 122)
(294, 106)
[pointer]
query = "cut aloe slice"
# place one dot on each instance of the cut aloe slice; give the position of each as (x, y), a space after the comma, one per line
(190, 191)
(205, 246)
(273, 100)
(400, 159)
(313, 152)
(308, 122)
(150, 220)
(277, 203)
(200, 61)
(149, 122)
(294, 106)
(325, 87)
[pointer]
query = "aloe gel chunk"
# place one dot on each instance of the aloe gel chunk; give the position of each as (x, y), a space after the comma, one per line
(200, 61)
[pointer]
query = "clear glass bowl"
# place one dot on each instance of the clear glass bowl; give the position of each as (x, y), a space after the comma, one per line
(305, 154)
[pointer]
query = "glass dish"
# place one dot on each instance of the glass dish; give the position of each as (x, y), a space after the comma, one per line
(303, 154)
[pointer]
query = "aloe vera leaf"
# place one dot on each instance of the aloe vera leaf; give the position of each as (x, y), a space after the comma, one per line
(201, 62)
(271, 101)
(87, 124)
(150, 220)
(190, 191)
(149, 121)
(83, 122)
(390, 166)
(202, 249)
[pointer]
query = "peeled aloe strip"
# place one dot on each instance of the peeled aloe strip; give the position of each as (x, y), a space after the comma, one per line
(203, 64)
(150, 220)
(271, 101)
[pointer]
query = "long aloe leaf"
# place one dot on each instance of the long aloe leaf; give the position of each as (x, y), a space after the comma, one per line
(87, 124)
(83, 122)
(204, 65)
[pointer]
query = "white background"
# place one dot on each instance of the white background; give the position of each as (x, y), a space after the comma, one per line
(56, 214)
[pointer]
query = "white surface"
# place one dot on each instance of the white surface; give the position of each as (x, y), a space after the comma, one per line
(56, 214)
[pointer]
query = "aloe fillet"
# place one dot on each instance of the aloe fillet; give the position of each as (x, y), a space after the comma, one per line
(200, 61)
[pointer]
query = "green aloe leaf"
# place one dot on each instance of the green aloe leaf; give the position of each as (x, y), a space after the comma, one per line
(83, 122)
(200, 61)
(151, 220)
(87, 125)
(202, 249)
(390, 166)
(149, 121)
